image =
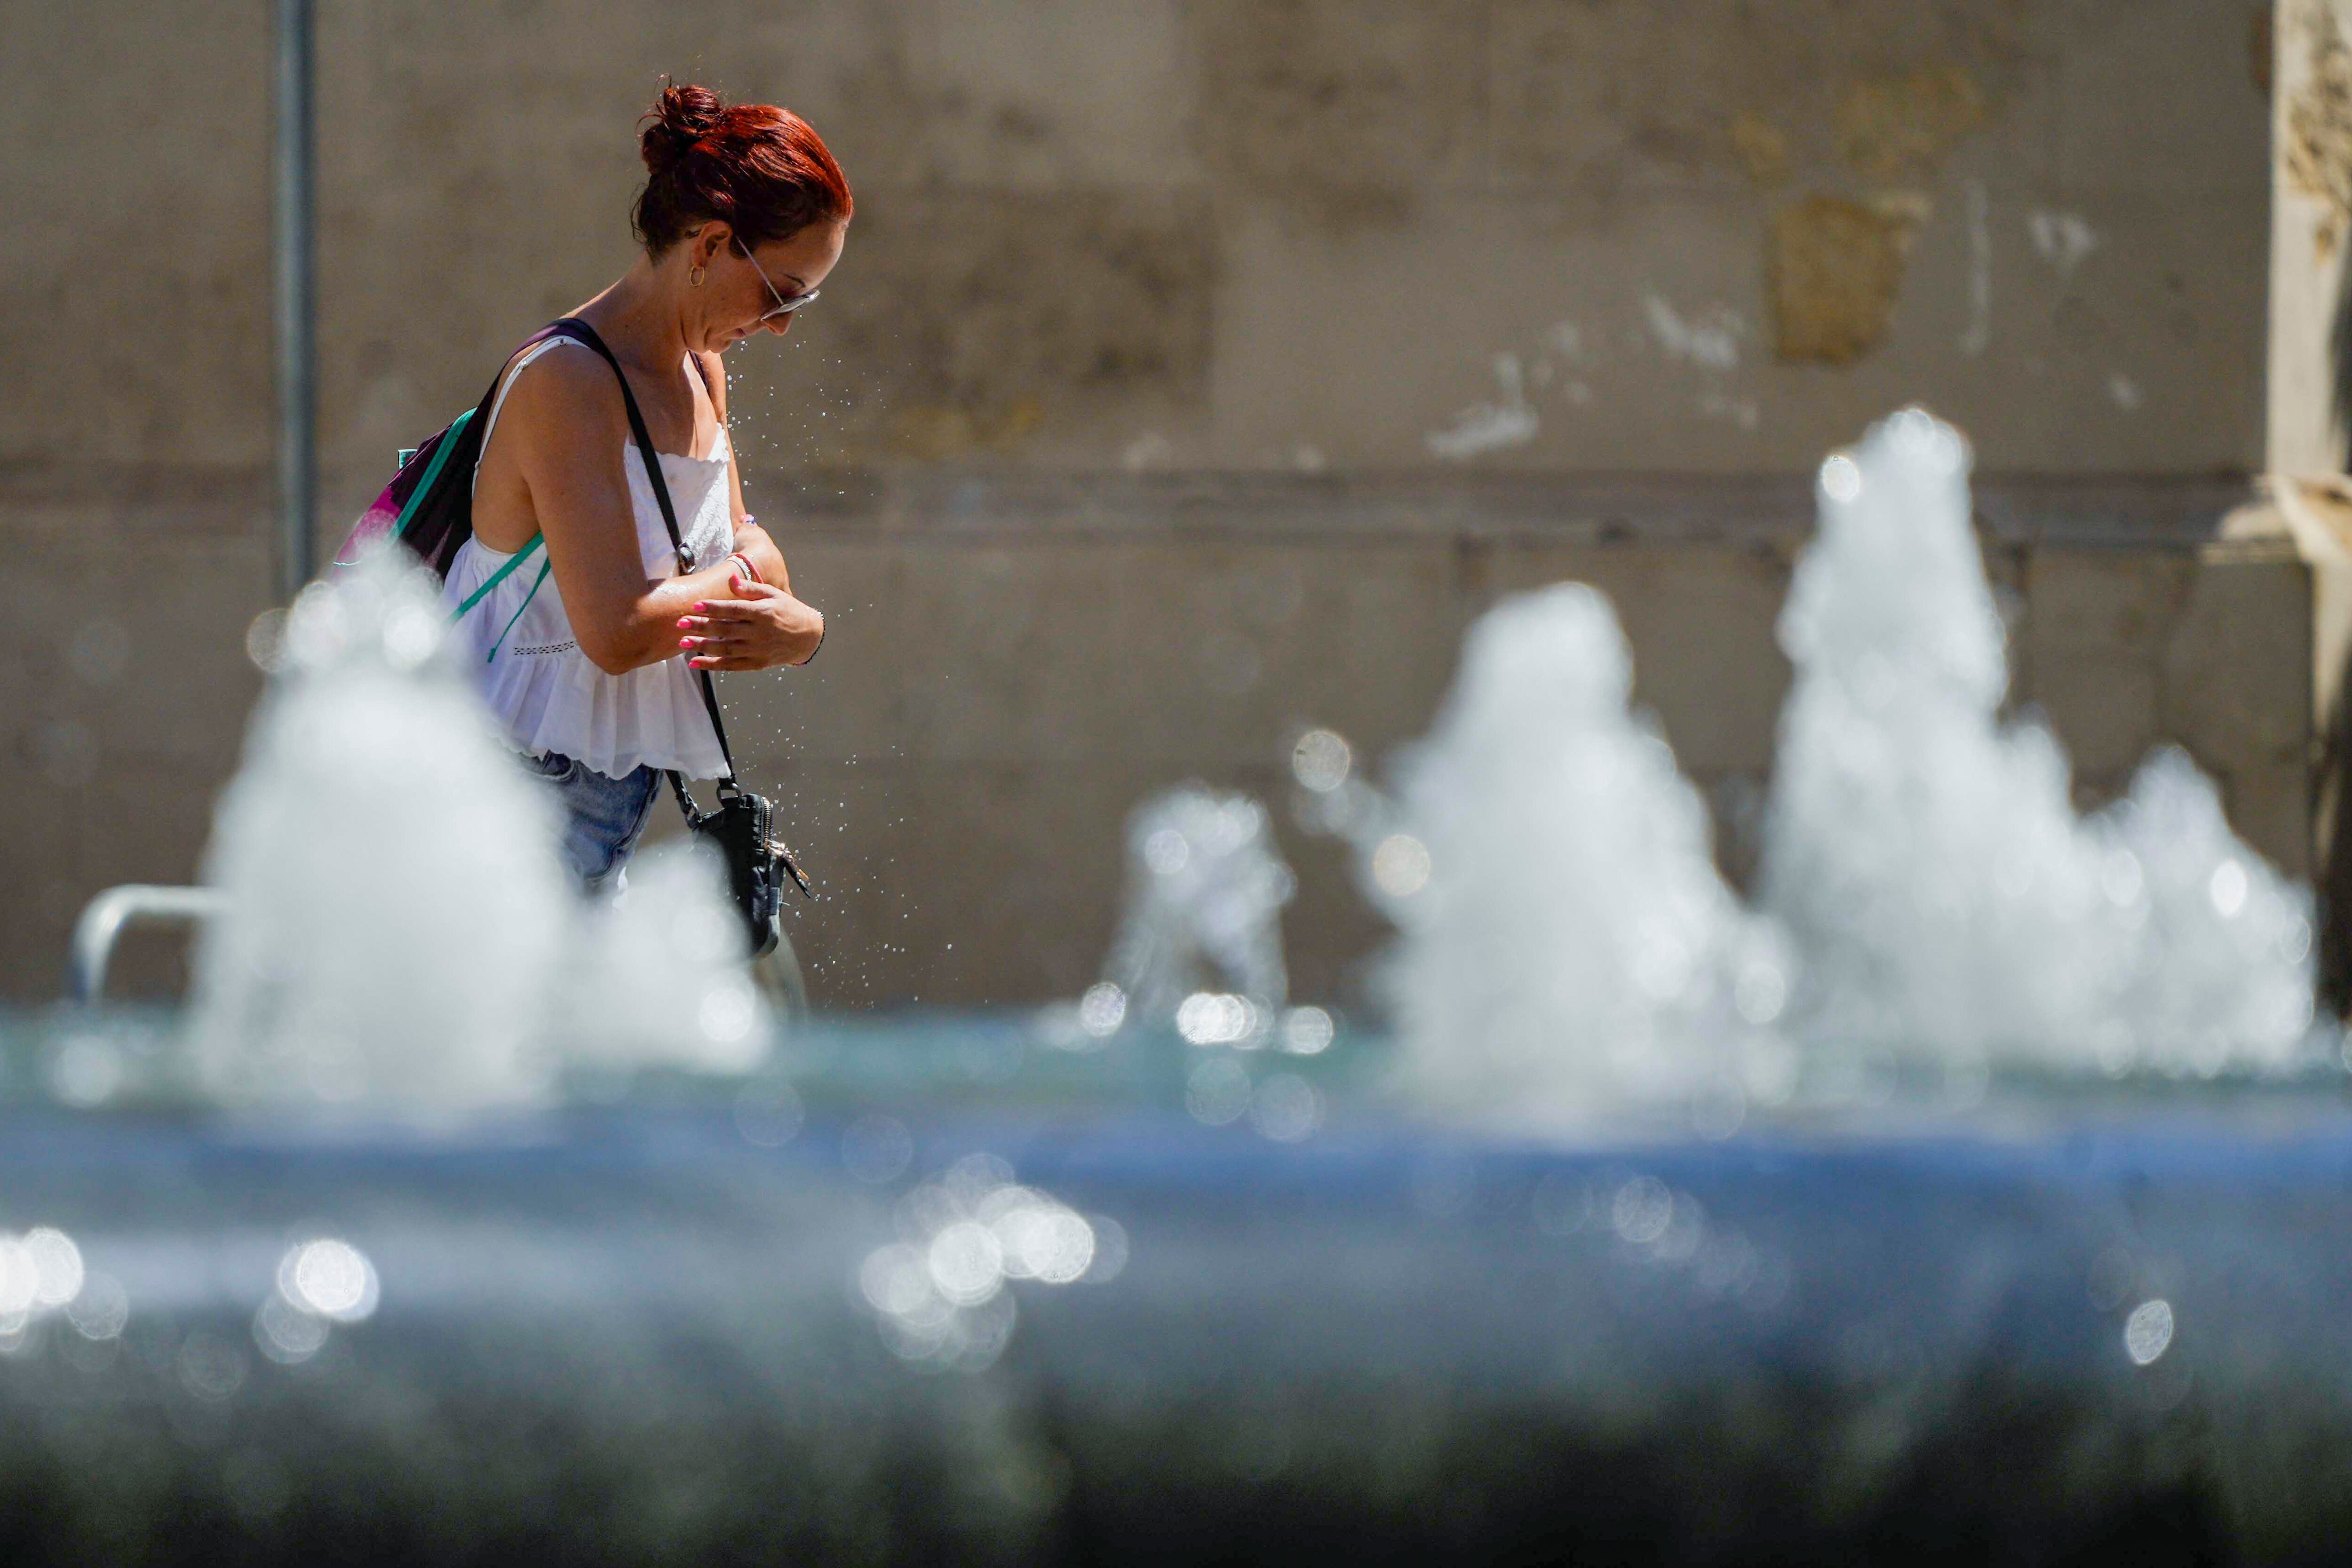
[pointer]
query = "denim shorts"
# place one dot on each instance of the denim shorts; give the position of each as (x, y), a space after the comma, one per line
(603, 817)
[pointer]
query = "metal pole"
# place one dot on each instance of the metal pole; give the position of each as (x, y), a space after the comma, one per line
(296, 303)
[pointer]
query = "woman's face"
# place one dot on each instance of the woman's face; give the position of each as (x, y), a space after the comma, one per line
(738, 300)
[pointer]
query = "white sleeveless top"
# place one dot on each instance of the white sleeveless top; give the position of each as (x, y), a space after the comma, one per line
(518, 642)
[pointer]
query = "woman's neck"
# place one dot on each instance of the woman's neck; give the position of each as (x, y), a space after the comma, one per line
(638, 319)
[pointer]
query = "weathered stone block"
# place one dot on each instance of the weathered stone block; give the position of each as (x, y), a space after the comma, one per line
(1068, 93)
(2270, 809)
(1073, 654)
(1837, 270)
(150, 663)
(1032, 899)
(1599, 96)
(2161, 94)
(42, 895)
(1490, 332)
(1347, 110)
(125, 345)
(999, 328)
(2237, 687)
(2089, 648)
(1700, 619)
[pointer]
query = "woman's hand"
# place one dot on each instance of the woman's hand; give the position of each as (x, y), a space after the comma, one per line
(761, 627)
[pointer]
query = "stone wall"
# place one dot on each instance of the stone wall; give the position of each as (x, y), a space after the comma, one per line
(1198, 367)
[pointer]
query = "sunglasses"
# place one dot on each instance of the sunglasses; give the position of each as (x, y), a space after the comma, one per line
(785, 303)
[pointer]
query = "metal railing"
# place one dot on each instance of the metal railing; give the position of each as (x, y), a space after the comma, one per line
(103, 918)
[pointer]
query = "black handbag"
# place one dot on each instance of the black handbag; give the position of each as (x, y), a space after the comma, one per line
(743, 827)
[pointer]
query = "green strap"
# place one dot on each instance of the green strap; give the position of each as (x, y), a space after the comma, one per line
(432, 472)
(527, 598)
(500, 576)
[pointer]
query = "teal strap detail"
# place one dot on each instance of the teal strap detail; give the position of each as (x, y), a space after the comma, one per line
(500, 576)
(432, 472)
(527, 598)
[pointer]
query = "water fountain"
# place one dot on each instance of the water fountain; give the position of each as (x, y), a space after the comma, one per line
(1932, 906)
(1568, 947)
(1206, 892)
(1928, 859)
(399, 933)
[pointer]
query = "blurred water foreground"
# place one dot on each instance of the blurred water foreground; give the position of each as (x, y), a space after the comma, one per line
(950, 1293)
(1979, 1191)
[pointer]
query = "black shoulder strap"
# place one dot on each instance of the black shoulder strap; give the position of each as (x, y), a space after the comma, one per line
(580, 331)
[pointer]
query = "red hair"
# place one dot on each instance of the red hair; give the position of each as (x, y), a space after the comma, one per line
(762, 170)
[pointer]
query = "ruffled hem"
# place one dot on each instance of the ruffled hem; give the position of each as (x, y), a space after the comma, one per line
(545, 694)
(611, 723)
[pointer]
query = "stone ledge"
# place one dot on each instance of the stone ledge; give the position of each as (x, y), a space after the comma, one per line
(2131, 512)
(940, 503)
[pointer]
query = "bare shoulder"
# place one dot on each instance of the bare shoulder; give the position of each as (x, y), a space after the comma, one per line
(714, 377)
(566, 401)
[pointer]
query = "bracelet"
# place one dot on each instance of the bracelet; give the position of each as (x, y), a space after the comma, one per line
(748, 570)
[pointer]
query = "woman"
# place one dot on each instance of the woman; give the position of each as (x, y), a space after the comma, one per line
(743, 214)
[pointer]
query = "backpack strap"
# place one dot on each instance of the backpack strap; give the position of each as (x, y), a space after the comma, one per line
(498, 576)
(445, 444)
(436, 515)
(580, 331)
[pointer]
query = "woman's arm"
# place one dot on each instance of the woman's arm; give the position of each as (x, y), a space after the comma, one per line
(572, 439)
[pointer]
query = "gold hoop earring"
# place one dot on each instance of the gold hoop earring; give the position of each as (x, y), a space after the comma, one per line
(694, 277)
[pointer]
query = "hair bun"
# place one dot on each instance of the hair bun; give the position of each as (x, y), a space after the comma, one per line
(760, 170)
(679, 118)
